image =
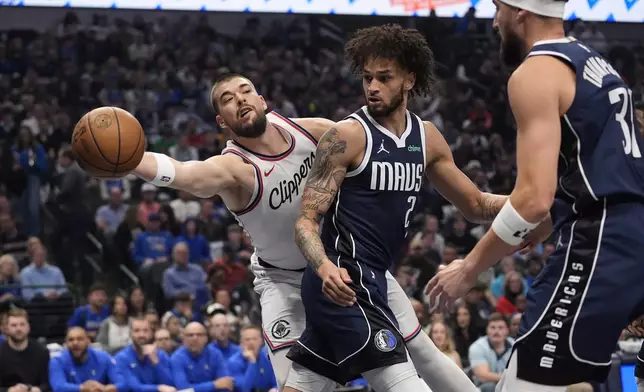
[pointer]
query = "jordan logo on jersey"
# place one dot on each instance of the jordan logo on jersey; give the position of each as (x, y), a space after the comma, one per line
(283, 193)
(396, 176)
(382, 147)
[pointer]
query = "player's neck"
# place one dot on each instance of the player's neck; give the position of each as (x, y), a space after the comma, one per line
(543, 30)
(396, 122)
(271, 142)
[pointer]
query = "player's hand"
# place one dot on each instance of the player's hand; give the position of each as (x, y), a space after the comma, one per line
(150, 351)
(450, 283)
(166, 388)
(334, 284)
(225, 383)
(536, 236)
(636, 328)
(111, 388)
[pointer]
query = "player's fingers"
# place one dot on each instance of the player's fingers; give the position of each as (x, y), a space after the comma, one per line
(344, 274)
(330, 294)
(344, 289)
(430, 285)
(338, 296)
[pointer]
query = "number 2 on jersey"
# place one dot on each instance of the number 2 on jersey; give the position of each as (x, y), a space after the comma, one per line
(412, 203)
(625, 120)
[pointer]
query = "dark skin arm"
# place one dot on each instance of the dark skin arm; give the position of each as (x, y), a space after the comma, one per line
(338, 149)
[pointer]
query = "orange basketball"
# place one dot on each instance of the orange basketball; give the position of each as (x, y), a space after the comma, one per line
(108, 142)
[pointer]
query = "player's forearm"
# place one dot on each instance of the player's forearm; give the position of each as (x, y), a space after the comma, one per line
(176, 176)
(487, 207)
(307, 238)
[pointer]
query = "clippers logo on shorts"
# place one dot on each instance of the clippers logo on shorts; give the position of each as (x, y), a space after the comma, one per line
(281, 329)
(283, 193)
(385, 340)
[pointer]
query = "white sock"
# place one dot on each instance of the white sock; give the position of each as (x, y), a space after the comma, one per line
(436, 368)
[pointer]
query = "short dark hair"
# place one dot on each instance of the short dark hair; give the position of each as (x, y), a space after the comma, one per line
(96, 287)
(17, 312)
(223, 79)
(68, 153)
(407, 47)
(494, 317)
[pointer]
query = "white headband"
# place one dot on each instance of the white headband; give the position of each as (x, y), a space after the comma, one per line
(549, 8)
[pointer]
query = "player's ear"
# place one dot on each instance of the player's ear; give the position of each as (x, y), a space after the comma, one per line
(264, 104)
(221, 122)
(410, 81)
(521, 16)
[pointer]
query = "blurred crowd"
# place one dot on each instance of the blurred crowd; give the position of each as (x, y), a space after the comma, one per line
(109, 256)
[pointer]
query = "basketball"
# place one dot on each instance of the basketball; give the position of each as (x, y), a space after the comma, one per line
(108, 142)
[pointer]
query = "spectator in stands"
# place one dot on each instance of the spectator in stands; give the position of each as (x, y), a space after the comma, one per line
(198, 245)
(163, 341)
(430, 229)
(9, 280)
(32, 158)
(508, 264)
(513, 289)
(125, 235)
(89, 317)
(185, 207)
(71, 216)
(148, 204)
(442, 338)
(465, 331)
(24, 363)
(515, 321)
(110, 216)
(489, 355)
(173, 324)
(145, 367)
(220, 333)
(81, 367)
(122, 184)
(169, 222)
(460, 236)
(153, 318)
(114, 332)
(183, 310)
(196, 365)
(3, 326)
(535, 264)
(137, 305)
(182, 276)
(235, 243)
(251, 366)
(450, 253)
(183, 151)
(41, 279)
(209, 223)
(12, 241)
(152, 245)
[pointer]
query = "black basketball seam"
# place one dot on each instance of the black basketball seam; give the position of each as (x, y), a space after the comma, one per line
(118, 148)
(91, 164)
(98, 148)
(138, 141)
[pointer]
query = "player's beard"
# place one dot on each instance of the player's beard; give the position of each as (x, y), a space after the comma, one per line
(254, 129)
(385, 111)
(17, 340)
(512, 50)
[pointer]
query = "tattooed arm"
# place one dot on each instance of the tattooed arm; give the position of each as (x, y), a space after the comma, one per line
(337, 150)
(454, 185)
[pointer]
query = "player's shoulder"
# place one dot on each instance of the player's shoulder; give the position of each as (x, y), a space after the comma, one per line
(316, 126)
(538, 72)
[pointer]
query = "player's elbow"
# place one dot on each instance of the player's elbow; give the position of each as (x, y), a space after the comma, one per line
(533, 204)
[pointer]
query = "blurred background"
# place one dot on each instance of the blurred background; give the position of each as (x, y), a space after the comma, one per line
(71, 245)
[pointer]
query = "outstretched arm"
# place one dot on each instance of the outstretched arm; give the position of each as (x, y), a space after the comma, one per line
(336, 151)
(454, 185)
(537, 100)
(201, 178)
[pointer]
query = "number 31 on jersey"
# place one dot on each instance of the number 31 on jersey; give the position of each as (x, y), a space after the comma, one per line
(624, 116)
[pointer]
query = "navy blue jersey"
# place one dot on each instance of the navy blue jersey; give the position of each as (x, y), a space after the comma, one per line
(369, 219)
(601, 145)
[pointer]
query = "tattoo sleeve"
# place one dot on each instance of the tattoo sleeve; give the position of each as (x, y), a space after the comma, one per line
(489, 206)
(321, 188)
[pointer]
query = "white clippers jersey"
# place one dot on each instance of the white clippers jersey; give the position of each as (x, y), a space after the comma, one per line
(269, 217)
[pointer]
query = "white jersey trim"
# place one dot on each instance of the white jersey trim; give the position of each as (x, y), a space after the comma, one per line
(368, 148)
(423, 140)
(401, 141)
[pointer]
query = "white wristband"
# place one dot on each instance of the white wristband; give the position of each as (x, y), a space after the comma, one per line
(510, 226)
(165, 171)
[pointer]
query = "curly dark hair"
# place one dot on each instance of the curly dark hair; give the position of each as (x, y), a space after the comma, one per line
(407, 47)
